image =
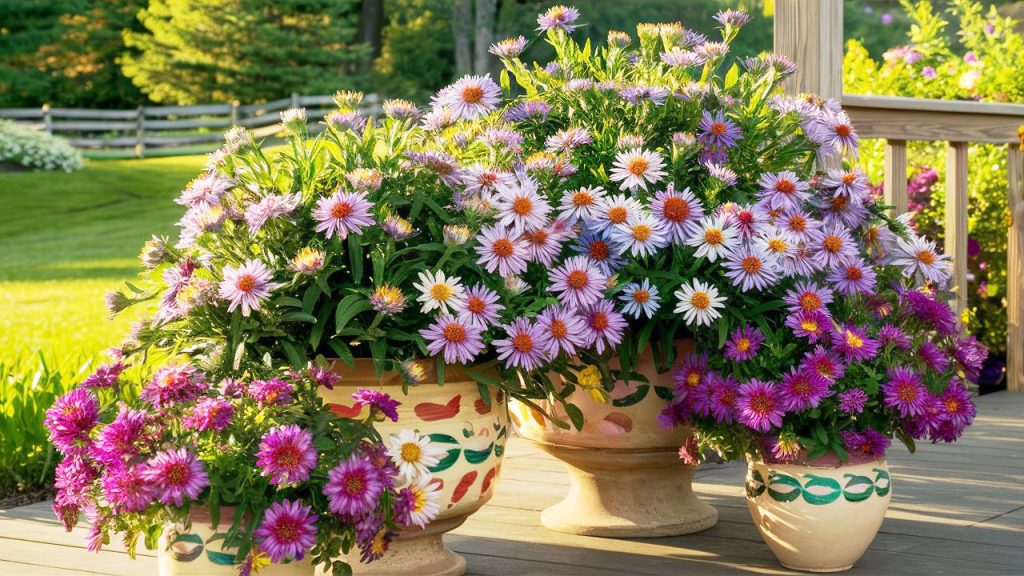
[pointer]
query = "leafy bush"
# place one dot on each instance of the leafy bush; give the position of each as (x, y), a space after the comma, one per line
(23, 146)
(983, 65)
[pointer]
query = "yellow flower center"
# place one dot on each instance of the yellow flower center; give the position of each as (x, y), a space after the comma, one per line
(637, 166)
(411, 452)
(700, 300)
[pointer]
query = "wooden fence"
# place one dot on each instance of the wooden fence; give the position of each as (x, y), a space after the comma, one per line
(169, 126)
(811, 33)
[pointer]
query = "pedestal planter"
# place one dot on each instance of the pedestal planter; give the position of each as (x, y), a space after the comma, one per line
(820, 517)
(625, 476)
(452, 414)
(200, 550)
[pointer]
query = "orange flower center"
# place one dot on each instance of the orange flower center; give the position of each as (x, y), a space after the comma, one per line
(476, 305)
(341, 210)
(853, 340)
(854, 273)
(454, 333)
(503, 248)
(751, 264)
(617, 215)
(522, 206)
(641, 232)
(641, 296)
(472, 94)
(832, 243)
(582, 198)
(577, 279)
(797, 223)
(844, 130)
(743, 344)
(523, 342)
(713, 237)
(676, 209)
(926, 257)
(718, 128)
(849, 178)
(637, 166)
(246, 283)
(599, 321)
(700, 300)
(785, 186)
(810, 301)
(559, 329)
(537, 237)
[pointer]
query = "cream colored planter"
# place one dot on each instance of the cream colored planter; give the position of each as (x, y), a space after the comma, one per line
(818, 518)
(200, 551)
(625, 476)
(454, 415)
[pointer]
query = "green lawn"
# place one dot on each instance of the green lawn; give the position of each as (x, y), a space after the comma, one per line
(65, 239)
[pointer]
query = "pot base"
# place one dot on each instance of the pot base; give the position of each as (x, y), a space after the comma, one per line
(626, 494)
(419, 552)
(817, 570)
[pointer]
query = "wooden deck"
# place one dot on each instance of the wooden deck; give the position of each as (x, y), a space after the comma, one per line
(956, 510)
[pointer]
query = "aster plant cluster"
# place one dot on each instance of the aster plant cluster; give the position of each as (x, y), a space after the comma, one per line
(288, 476)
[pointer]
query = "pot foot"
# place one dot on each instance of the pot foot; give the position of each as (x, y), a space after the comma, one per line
(415, 553)
(818, 570)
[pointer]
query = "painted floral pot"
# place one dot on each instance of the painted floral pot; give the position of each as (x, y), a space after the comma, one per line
(820, 517)
(454, 415)
(200, 551)
(625, 476)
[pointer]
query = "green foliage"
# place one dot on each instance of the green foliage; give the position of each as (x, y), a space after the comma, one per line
(242, 49)
(24, 146)
(982, 62)
(416, 56)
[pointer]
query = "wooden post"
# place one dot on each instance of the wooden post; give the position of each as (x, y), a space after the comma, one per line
(234, 113)
(956, 219)
(896, 175)
(295, 99)
(1015, 272)
(47, 120)
(140, 132)
(810, 33)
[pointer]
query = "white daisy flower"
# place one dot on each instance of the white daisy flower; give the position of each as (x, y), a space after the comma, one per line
(636, 168)
(640, 298)
(426, 501)
(470, 97)
(641, 235)
(520, 207)
(581, 204)
(613, 210)
(699, 303)
(918, 256)
(716, 238)
(439, 292)
(414, 454)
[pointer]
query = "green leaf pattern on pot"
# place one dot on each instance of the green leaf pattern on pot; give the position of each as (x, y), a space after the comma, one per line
(633, 398)
(817, 490)
(497, 447)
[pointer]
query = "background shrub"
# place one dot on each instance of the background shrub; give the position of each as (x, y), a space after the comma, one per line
(29, 148)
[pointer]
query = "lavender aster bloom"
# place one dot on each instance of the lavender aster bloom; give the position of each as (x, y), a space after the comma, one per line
(558, 18)
(247, 286)
(509, 47)
(852, 401)
(735, 18)
(524, 345)
(459, 340)
(719, 132)
(343, 213)
(528, 111)
(603, 326)
(272, 206)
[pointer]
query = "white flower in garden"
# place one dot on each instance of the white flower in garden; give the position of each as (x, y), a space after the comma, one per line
(426, 501)
(613, 210)
(581, 204)
(641, 235)
(715, 240)
(471, 97)
(636, 168)
(414, 454)
(918, 257)
(699, 303)
(519, 205)
(439, 292)
(641, 299)
(247, 285)
(294, 119)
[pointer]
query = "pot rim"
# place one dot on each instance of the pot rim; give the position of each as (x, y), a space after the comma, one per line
(826, 462)
(364, 373)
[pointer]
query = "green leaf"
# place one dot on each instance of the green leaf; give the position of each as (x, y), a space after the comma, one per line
(731, 77)
(344, 313)
(310, 297)
(355, 257)
(287, 301)
(298, 317)
(343, 351)
(439, 368)
(575, 415)
(298, 360)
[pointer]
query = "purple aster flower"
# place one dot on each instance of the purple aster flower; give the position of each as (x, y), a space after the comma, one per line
(834, 245)
(680, 212)
(680, 58)
(715, 396)
(851, 184)
(71, 419)
(126, 489)
(853, 276)
(543, 245)
(957, 411)
(562, 329)
(524, 346)
(501, 250)
(481, 306)
(869, 443)
(470, 97)
(558, 18)
(904, 392)
(457, 338)
(749, 221)
(712, 50)
(726, 176)
(734, 18)
(595, 247)
(397, 227)
(934, 358)
(691, 373)
(353, 487)
(890, 334)
(528, 111)
(352, 120)
(273, 392)
(675, 413)
(782, 191)
(578, 281)
(927, 309)
(971, 354)
(811, 325)
(853, 343)
(803, 389)
(837, 133)
(759, 405)
(173, 385)
(210, 414)
(323, 377)
(120, 440)
(744, 343)
(828, 364)
(105, 376)
(269, 207)
(288, 530)
(176, 475)
(286, 455)
(73, 481)
(852, 401)
(402, 109)
(205, 191)
(798, 223)
(840, 211)
(444, 166)
(378, 400)
(509, 47)
(343, 213)
(603, 326)
(377, 455)
(752, 267)
(717, 131)
(247, 285)
(807, 296)
(929, 72)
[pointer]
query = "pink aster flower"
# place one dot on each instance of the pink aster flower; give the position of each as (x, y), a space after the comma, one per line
(837, 134)
(691, 373)
(853, 276)
(471, 97)
(578, 281)
(524, 346)
(603, 325)
(580, 204)
(247, 285)
(322, 377)
(353, 487)
(852, 401)
(105, 376)
(269, 207)
(744, 343)
(457, 338)
(782, 191)
(125, 487)
(889, 334)
(811, 325)
(752, 267)
(210, 414)
(272, 392)
(749, 221)
(680, 212)
(500, 250)
(802, 389)
(176, 475)
(205, 191)
(120, 440)
(562, 329)
(73, 480)
(343, 213)
(869, 443)
(558, 18)
(853, 343)
(379, 401)
(543, 245)
(798, 223)
(957, 408)
(286, 455)
(288, 530)
(759, 405)
(828, 364)
(520, 205)
(173, 385)
(904, 392)
(71, 419)
(481, 307)
(718, 132)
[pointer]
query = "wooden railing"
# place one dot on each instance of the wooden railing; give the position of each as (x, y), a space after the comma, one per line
(811, 34)
(169, 126)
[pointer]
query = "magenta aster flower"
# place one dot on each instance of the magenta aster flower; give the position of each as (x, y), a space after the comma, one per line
(749, 221)
(692, 372)
(853, 343)
(71, 418)
(937, 314)
(562, 329)
(120, 440)
(904, 392)
(957, 407)
(323, 377)
(288, 530)
(811, 325)
(933, 357)
(286, 455)
(752, 267)
(524, 347)
(73, 480)
(782, 191)
(480, 307)
(758, 405)
(378, 401)
(744, 343)
(459, 339)
(210, 414)
(970, 354)
(579, 282)
(715, 396)
(377, 455)
(675, 413)
(176, 475)
(828, 364)
(603, 326)
(890, 334)
(273, 392)
(852, 401)
(558, 18)
(353, 487)
(680, 212)
(105, 376)
(125, 487)
(173, 385)
(869, 443)
(718, 132)
(802, 389)
(247, 285)
(853, 276)
(343, 213)
(502, 251)
(269, 207)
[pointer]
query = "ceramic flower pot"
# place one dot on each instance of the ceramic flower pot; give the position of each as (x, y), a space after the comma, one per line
(819, 517)
(455, 416)
(625, 476)
(200, 550)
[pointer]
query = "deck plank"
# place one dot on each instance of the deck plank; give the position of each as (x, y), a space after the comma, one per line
(956, 509)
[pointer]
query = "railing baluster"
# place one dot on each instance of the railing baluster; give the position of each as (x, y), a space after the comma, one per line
(896, 175)
(1015, 271)
(956, 218)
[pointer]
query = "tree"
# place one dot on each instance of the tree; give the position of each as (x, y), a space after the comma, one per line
(216, 50)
